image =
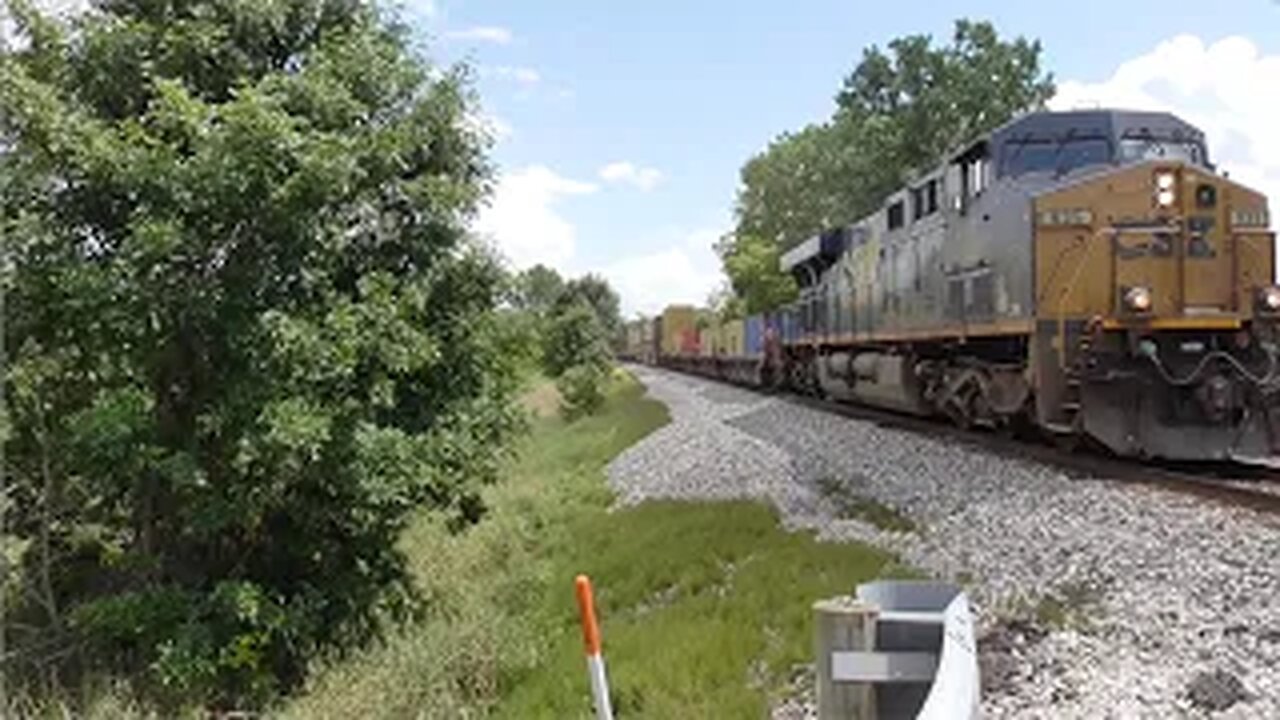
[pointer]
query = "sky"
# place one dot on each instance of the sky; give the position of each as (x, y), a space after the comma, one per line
(621, 127)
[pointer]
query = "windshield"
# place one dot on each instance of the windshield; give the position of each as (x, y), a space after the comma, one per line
(1025, 156)
(1132, 149)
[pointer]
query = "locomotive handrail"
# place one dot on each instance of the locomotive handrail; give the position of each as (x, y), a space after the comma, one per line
(1062, 325)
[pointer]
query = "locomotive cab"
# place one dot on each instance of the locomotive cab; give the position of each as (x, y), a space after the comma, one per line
(1155, 303)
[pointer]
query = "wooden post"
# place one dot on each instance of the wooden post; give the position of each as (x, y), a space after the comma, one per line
(843, 623)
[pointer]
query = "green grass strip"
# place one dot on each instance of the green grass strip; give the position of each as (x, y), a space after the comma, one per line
(704, 606)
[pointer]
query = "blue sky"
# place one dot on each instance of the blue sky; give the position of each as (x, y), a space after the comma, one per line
(676, 95)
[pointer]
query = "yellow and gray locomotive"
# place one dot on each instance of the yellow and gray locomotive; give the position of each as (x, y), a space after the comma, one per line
(1089, 273)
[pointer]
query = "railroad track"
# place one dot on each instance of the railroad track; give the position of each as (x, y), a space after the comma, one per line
(1205, 481)
(1235, 484)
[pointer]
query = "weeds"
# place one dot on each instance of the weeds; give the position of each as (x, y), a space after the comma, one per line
(1069, 606)
(852, 506)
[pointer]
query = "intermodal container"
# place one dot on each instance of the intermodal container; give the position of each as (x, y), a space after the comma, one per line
(677, 322)
(753, 335)
(790, 325)
(731, 338)
(634, 342)
(647, 339)
(690, 342)
(708, 340)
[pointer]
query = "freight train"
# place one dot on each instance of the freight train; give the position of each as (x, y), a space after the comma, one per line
(1082, 274)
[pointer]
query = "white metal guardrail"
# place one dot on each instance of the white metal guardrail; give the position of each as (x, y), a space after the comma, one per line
(899, 649)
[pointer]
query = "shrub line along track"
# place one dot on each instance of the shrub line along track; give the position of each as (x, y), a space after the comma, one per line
(1202, 481)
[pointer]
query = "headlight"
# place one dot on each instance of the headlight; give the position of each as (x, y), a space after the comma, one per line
(1138, 299)
(1166, 188)
(1269, 299)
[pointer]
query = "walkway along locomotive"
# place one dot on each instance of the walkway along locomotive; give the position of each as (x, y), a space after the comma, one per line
(1087, 273)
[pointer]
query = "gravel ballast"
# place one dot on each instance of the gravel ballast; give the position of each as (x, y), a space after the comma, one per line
(1095, 599)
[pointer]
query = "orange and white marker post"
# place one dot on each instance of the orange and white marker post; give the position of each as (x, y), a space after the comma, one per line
(591, 642)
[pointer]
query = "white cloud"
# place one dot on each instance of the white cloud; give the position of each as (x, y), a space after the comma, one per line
(685, 272)
(425, 8)
(645, 178)
(1226, 88)
(523, 75)
(523, 222)
(482, 33)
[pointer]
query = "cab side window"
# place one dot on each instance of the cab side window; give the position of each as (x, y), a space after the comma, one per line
(974, 170)
(897, 215)
(924, 200)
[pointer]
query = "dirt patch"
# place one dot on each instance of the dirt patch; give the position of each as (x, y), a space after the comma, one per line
(543, 400)
(1002, 653)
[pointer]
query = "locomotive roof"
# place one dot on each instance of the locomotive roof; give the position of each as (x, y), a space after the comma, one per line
(1056, 125)
(1112, 125)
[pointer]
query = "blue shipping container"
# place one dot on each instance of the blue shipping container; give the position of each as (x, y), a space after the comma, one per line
(790, 325)
(754, 343)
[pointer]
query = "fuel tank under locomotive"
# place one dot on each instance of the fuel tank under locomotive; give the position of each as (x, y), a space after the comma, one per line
(874, 378)
(968, 390)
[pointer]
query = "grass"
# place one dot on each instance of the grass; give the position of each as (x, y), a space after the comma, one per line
(850, 506)
(705, 611)
(1068, 607)
(704, 607)
(95, 700)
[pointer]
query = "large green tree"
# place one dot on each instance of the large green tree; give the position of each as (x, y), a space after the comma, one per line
(928, 100)
(756, 283)
(246, 333)
(537, 289)
(595, 292)
(898, 113)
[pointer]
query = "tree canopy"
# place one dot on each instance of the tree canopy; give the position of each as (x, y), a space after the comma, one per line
(537, 289)
(595, 292)
(756, 282)
(246, 331)
(898, 113)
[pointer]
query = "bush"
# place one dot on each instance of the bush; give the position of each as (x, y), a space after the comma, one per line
(582, 389)
(575, 337)
(247, 335)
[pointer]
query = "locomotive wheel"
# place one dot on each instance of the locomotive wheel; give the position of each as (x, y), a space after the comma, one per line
(1019, 427)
